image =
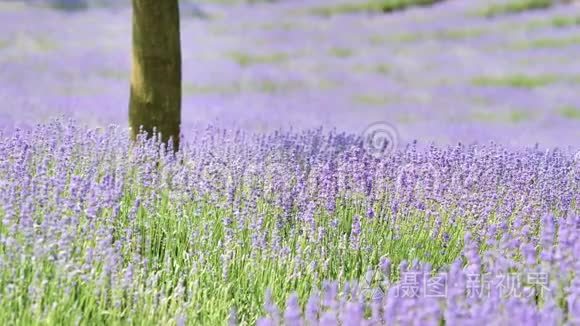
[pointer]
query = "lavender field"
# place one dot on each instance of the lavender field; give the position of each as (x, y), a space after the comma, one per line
(340, 165)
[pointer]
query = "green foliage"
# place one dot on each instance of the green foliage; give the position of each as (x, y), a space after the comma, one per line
(554, 22)
(513, 116)
(378, 39)
(562, 22)
(570, 112)
(169, 233)
(229, 2)
(246, 59)
(517, 81)
(341, 52)
(259, 86)
(518, 116)
(380, 6)
(270, 86)
(383, 69)
(68, 5)
(114, 74)
(379, 68)
(549, 42)
(444, 34)
(371, 99)
(459, 34)
(410, 37)
(515, 6)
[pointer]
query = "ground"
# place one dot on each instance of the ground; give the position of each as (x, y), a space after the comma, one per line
(443, 73)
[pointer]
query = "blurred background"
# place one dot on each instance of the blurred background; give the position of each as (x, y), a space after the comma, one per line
(436, 70)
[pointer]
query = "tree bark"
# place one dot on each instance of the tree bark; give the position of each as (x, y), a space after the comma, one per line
(155, 100)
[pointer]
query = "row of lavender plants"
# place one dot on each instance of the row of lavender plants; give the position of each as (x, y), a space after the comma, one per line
(294, 228)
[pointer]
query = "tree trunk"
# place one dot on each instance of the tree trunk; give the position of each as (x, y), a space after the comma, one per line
(155, 100)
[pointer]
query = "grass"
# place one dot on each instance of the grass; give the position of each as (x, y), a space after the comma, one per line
(114, 74)
(378, 6)
(378, 39)
(230, 2)
(69, 5)
(554, 22)
(516, 81)
(446, 34)
(246, 60)
(407, 118)
(515, 116)
(371, 99)
(514, 7)
(260, 86)
(562, 22)
(341, 52)
(382, 69)
(572, 79)
(570, 112)
(409, 37)
(325, 84)
(31, 43)
(283, 26)
(270, 86)
(168, 233)
(549, 43)
(459, 34)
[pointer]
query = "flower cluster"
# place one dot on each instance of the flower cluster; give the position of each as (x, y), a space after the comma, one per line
(442, 73)
(97, 229)
(518, 280)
